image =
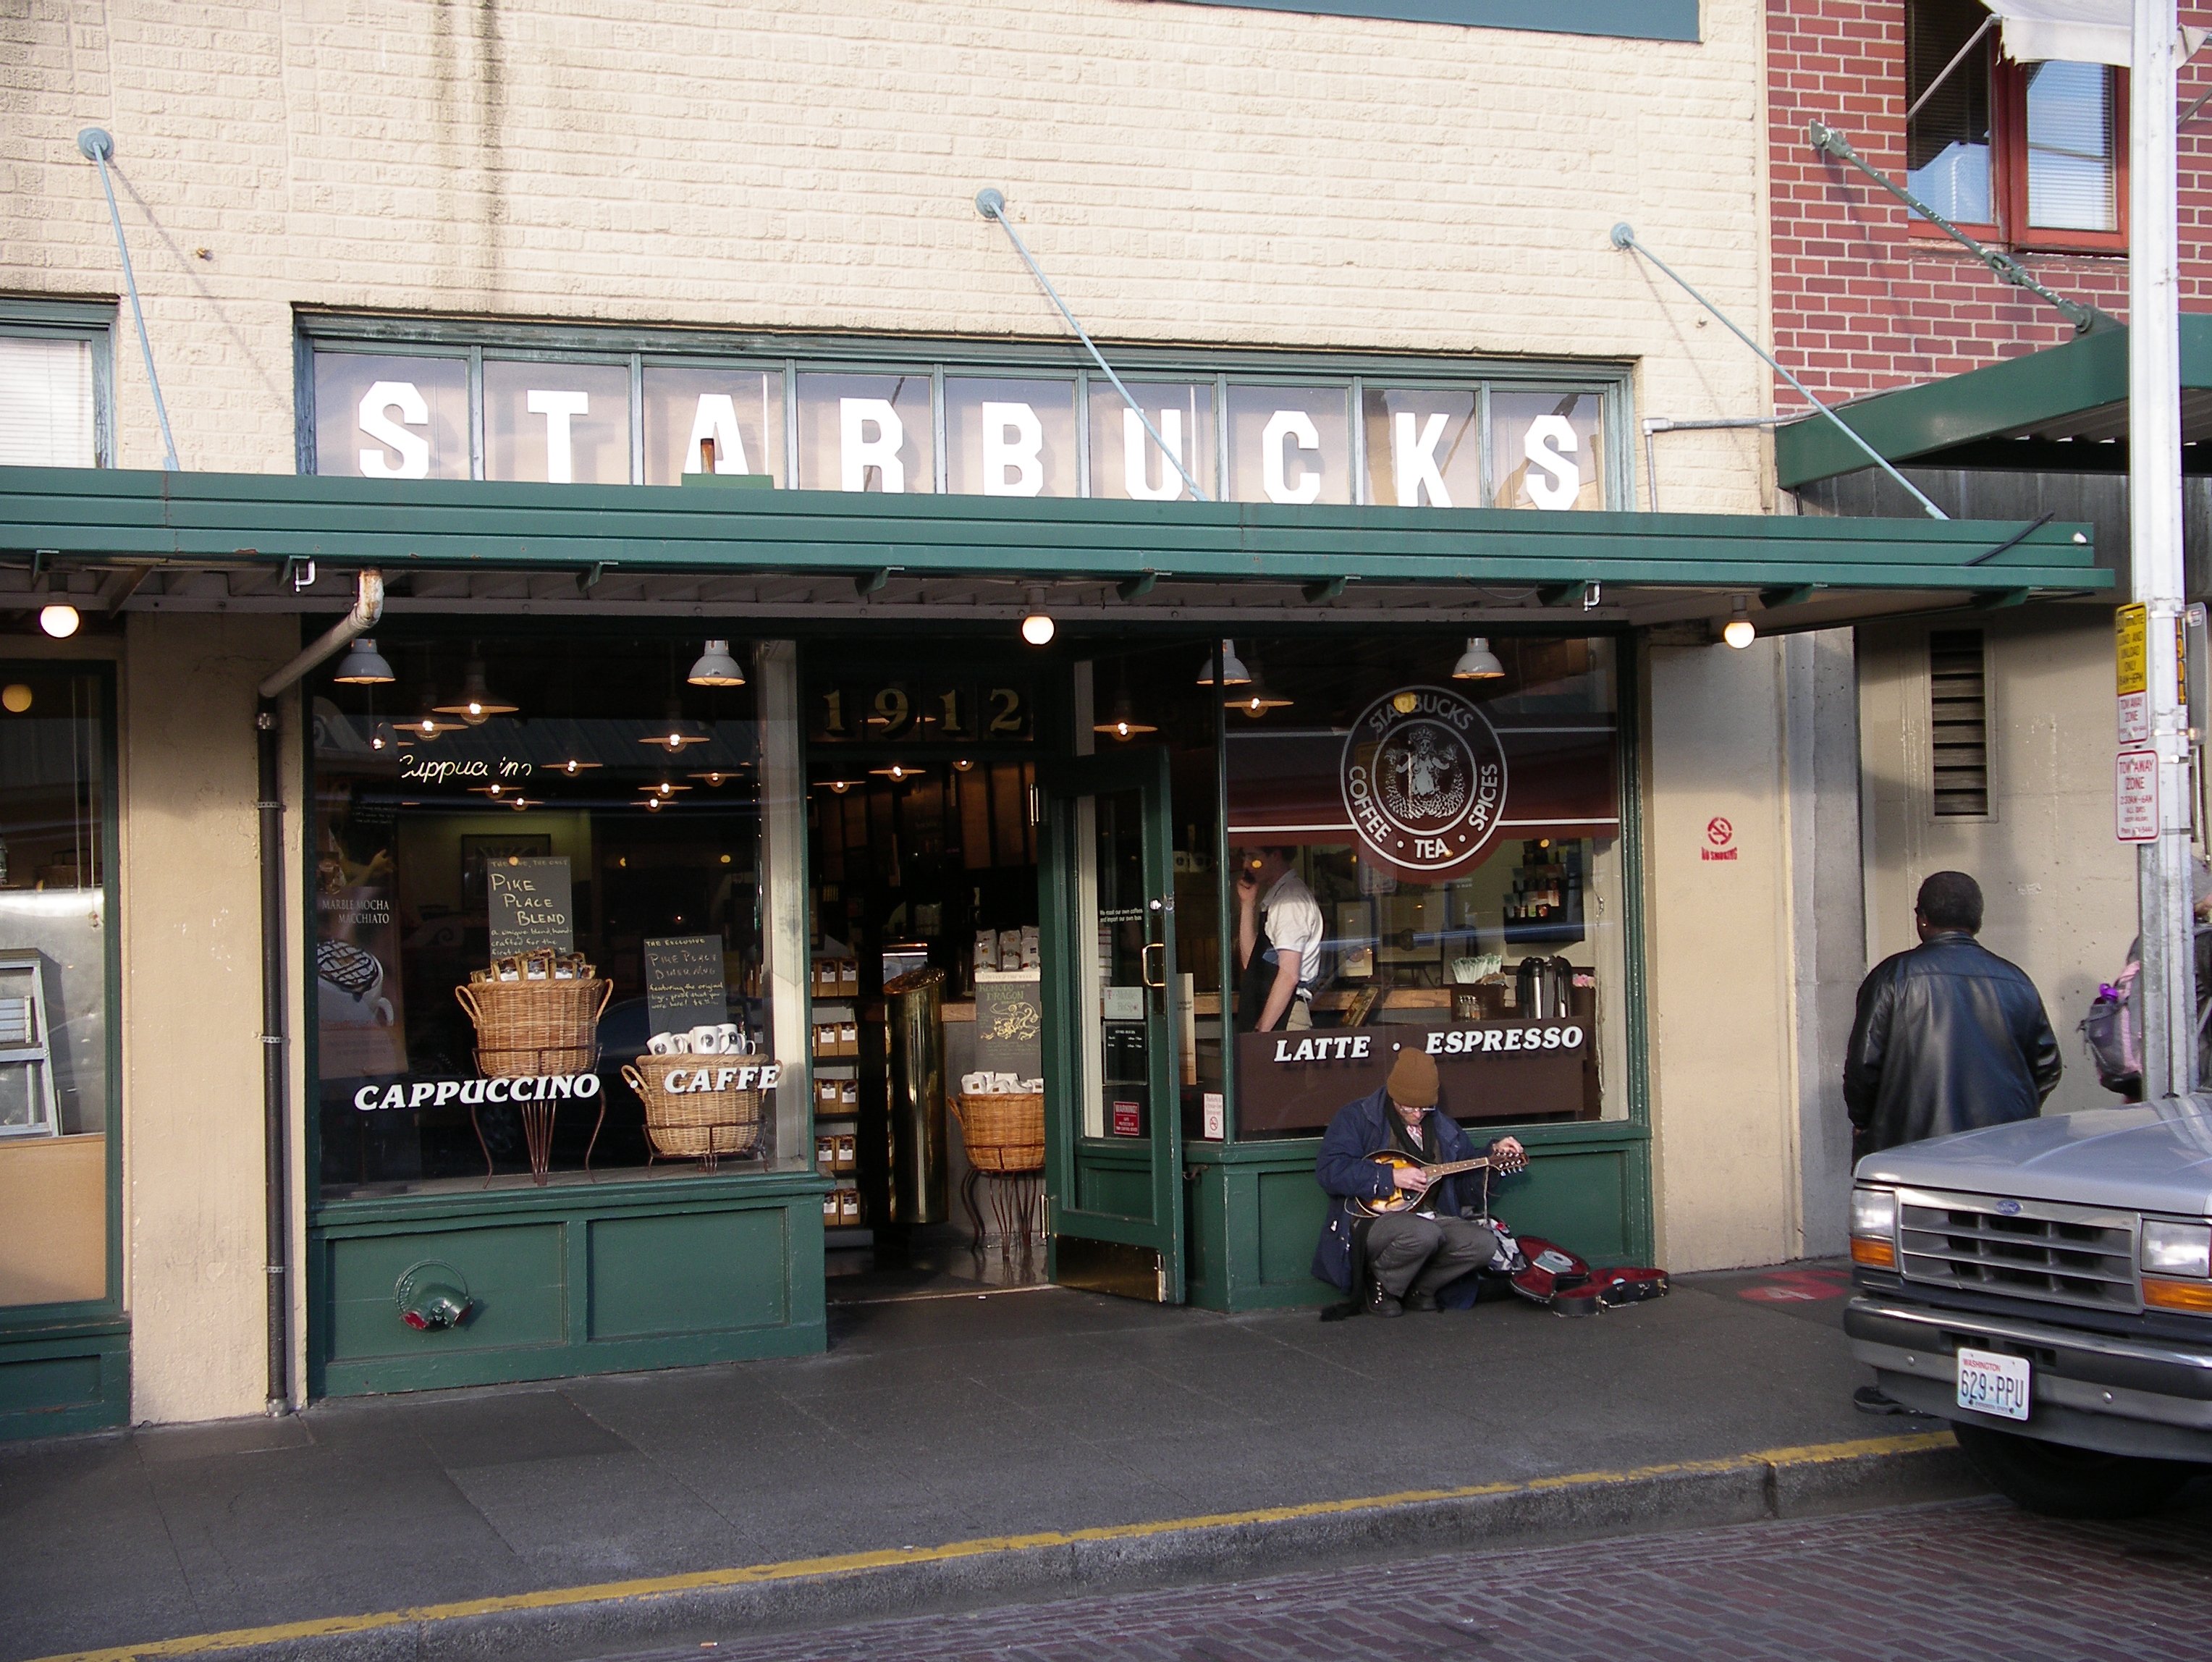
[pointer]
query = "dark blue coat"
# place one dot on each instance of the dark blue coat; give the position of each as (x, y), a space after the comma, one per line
(1360, 1129)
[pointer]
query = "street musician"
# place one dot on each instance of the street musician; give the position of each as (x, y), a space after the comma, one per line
(1404, 1220)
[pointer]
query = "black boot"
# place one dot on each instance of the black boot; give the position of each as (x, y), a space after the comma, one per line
(1418, 1301)
(1380, 1303)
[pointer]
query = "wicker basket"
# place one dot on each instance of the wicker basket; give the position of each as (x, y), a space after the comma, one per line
(1002, 1133)
(528, 1028)
(701, 1125)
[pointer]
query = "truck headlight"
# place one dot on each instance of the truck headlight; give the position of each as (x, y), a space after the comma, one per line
(2177, 1249)
(1874, 1228)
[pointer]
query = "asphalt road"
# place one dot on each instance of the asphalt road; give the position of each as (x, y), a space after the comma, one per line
(1951, 1583)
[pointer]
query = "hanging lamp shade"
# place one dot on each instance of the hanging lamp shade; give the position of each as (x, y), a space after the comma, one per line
(676, 735)
(1233, 673)
(1255, 696)
(1478, 662)
(429, 722)
(716, 667)
(1121, 722)
(476, 703)
(363, 666)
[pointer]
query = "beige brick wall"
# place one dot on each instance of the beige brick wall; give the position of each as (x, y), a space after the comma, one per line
(1186, 173)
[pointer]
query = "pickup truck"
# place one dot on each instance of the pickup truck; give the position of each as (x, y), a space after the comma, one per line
(2046, 1287)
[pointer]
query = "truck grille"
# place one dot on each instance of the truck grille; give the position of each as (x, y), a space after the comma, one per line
(2032, 1249)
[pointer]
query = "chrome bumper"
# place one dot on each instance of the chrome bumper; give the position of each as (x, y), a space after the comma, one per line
(2092, 1373)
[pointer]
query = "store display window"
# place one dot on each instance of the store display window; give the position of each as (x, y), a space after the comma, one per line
(1425, 851)
(56, 903)
(545, 945)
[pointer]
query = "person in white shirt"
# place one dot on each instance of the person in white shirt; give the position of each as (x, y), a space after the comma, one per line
(1278, 935)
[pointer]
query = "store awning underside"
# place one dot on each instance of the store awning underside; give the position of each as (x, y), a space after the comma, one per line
(132, 541)
(2064, 409)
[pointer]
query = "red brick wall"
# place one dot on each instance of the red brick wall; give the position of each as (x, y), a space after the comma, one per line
(1861, 303)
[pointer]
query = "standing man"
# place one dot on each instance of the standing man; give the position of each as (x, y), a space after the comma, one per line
(1409, 1256)
(1279, 935)
(1949, 1037)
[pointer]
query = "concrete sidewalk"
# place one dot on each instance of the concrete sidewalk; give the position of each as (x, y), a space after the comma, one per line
(1095, 1430)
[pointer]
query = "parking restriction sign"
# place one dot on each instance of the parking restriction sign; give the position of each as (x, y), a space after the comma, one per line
(2131, 678)
(2137, 796)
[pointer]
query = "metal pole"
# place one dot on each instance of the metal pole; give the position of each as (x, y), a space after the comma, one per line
(98, 146)
(2154, 554)
(993, 205)
(1623, 236)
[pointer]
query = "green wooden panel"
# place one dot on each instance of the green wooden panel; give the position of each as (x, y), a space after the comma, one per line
(698, 1272)
(258, 520)
(1577, 1198)
(58, 1385)
(1206, 1237)
(514, 1275)
(1120, 1191)
(1292, 1210)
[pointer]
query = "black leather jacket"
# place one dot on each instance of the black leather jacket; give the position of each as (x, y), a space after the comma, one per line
(1949, 1036)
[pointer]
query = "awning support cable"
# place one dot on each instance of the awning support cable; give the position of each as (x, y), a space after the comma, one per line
(1624, 237)
(97, 146)
(992, 204)
(1828, 142)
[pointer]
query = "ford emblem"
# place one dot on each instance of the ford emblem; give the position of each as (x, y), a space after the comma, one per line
(2009, 1209)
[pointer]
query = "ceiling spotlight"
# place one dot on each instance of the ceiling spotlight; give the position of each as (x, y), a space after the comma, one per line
(478, 704)
(1037, 627)
(60, 620)
(1738, 633)
(716, 669)
(1478, 662)
(363, 666)
(1233, 673)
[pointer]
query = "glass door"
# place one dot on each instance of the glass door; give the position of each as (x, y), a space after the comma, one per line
(1113, 1092)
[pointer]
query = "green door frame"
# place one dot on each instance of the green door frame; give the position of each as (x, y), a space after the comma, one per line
(1069, 1155)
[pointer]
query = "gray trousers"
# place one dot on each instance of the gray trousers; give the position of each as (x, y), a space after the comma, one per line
(1408, 1253)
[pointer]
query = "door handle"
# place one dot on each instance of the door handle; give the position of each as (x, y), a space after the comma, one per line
(1145, 968)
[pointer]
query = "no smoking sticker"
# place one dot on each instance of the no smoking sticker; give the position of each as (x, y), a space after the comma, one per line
(1720, 839)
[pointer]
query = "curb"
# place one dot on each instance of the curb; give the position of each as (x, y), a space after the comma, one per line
(597, 1621)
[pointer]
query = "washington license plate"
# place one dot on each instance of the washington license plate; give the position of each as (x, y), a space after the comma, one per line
(1990, 1382)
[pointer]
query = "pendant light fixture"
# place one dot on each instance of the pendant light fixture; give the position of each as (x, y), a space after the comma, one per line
(716, 667)
(1478, 662)
(478, 704)
(677, 734)
(363, 666)
(898, 773)
(1121, 722)
(576, 764)
(1740, 633)
(60, 620)
(1233, 673)
(430, 723)
(1037, 628)
(1254, 697)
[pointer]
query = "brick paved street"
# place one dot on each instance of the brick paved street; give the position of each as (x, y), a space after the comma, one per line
(1979, 1578)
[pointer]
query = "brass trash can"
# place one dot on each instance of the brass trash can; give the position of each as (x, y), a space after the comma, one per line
(913, 1006)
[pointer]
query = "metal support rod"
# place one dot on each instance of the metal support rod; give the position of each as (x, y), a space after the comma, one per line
(2154, 554)
(1828, 142)
(1623, 236)
(1657, 424)
(98, 146)
(368, 607)
(993, 205)
(1959, 57)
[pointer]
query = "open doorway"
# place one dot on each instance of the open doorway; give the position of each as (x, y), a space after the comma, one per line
(926, 1059)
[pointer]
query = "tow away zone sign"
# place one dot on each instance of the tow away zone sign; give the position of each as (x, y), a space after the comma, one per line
(2136, 797)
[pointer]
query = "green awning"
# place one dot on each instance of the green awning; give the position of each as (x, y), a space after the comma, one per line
(2061, 410)
(1681, 566)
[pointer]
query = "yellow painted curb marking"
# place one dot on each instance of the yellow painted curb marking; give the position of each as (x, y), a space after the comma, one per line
(794, 1569)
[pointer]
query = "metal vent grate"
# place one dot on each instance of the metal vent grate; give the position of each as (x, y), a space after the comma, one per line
(2033, 1249)
(1959, 723)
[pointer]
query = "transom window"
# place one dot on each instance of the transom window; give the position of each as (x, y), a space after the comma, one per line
(859, 422)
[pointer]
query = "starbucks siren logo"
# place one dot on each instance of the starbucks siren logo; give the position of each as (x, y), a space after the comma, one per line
(1424, 778)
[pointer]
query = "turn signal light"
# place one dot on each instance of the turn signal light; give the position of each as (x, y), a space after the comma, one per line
(2196, 1297)
(1882, 1255)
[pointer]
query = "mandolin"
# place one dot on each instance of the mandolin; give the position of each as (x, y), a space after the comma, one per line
(1400, 1200)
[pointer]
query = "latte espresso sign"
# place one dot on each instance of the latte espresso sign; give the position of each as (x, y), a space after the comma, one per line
(1424, 780)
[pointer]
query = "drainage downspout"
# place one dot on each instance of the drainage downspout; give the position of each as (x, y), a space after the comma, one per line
(276, 1142)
